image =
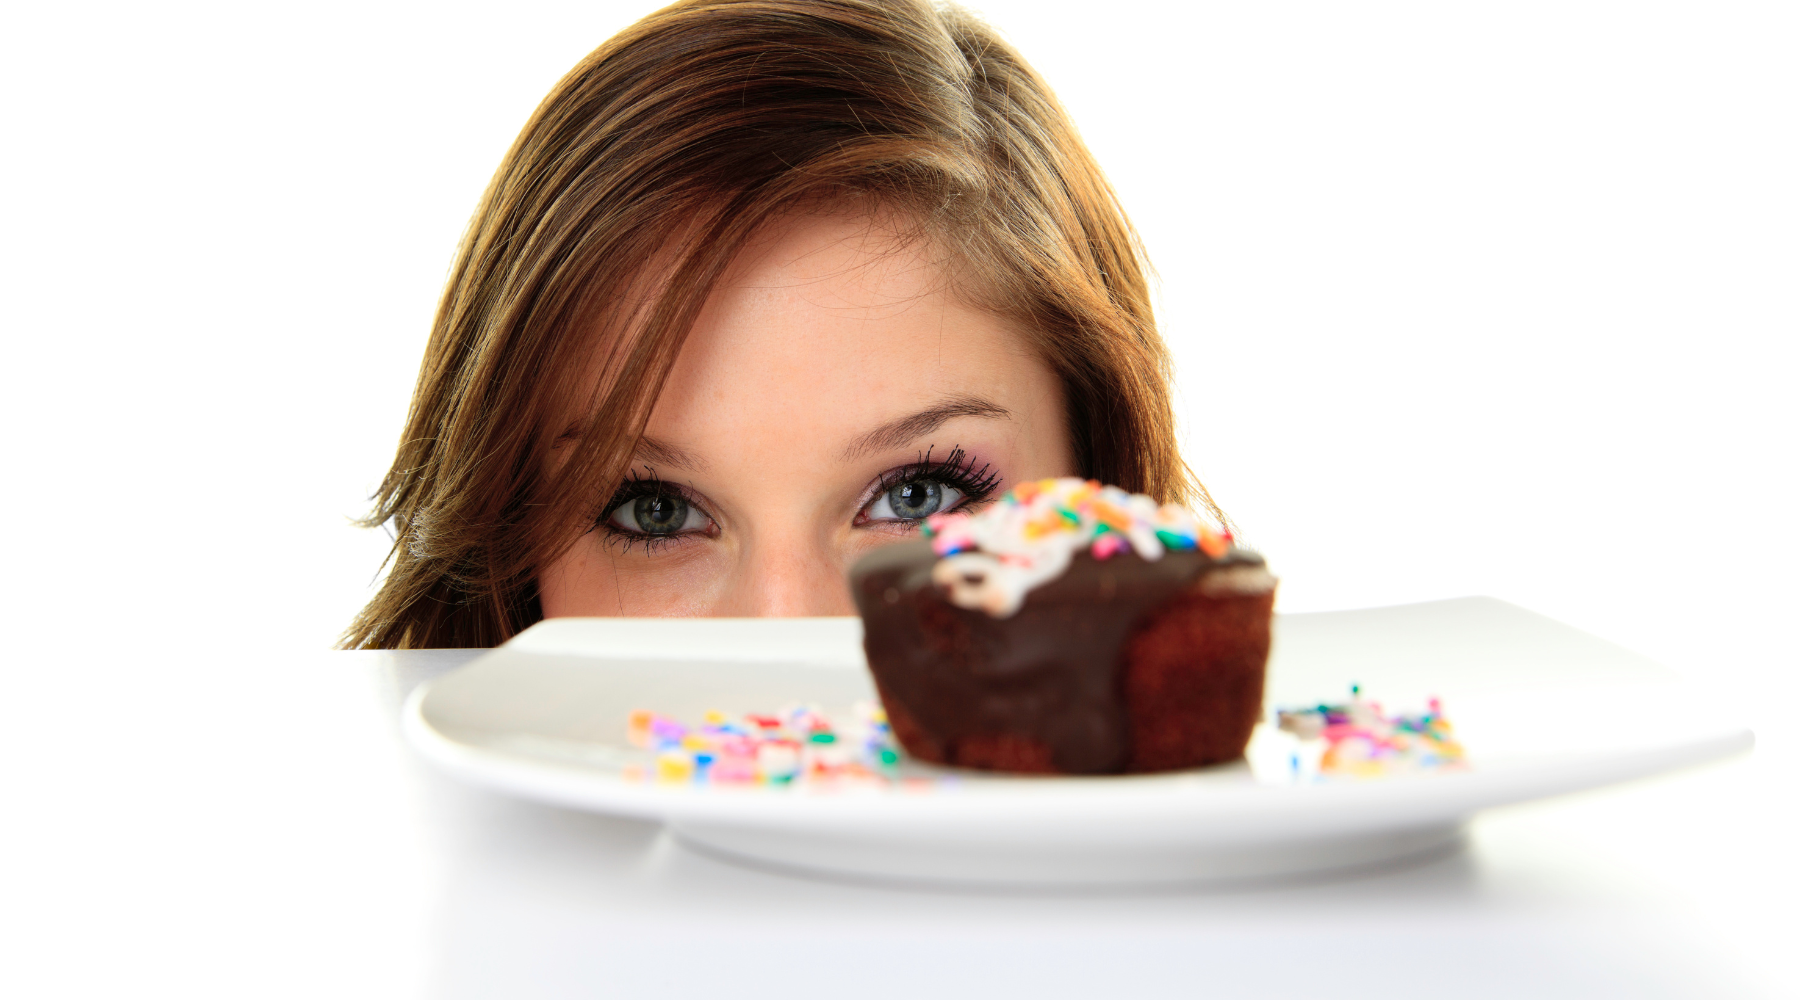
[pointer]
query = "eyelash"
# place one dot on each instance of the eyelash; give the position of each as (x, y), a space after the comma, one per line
(640, 486)
(957, 470)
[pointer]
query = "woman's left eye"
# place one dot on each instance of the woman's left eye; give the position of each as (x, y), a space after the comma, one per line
(913, 500)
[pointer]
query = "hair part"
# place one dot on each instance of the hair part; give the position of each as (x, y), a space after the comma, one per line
(627, 195)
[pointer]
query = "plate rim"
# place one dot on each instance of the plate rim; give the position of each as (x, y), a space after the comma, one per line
(1162, 798)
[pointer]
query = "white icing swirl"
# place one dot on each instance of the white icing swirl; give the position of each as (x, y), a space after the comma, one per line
(992, 560)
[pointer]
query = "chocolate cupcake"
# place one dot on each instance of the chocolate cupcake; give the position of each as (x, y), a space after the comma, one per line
(1069, 629)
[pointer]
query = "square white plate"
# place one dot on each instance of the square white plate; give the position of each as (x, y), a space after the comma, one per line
(1542, 709)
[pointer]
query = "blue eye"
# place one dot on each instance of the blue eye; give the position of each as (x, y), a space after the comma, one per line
(658, 515)
(913, 500)
(919, 498)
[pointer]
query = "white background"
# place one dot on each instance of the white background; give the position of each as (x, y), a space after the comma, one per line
(1465, 298)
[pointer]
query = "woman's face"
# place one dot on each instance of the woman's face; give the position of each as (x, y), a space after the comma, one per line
(833, 393)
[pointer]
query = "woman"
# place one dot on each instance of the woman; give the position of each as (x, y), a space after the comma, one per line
(760, 285)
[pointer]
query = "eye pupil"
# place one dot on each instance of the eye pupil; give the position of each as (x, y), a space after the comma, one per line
(659, 515)
(917, 498)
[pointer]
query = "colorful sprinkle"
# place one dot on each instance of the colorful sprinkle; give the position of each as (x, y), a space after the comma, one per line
(798, 745)
(1353, 739)
(991, 560)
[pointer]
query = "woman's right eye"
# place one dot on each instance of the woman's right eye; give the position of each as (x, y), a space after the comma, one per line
(660, 515)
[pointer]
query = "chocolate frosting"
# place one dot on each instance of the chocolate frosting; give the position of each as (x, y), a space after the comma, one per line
(1050, 673)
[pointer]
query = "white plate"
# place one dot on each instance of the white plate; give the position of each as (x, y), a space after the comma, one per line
(1542, 709)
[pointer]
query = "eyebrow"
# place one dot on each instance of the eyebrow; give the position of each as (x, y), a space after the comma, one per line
(653, 452)
(899, 432)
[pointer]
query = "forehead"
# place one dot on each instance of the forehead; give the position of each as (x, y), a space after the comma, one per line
(829, 323)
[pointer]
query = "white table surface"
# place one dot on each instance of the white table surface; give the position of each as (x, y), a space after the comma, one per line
(209, 823)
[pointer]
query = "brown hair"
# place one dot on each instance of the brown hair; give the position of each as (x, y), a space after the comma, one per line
(673, 142)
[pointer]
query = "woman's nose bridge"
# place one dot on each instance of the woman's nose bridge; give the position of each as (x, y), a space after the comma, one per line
(792, 580)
